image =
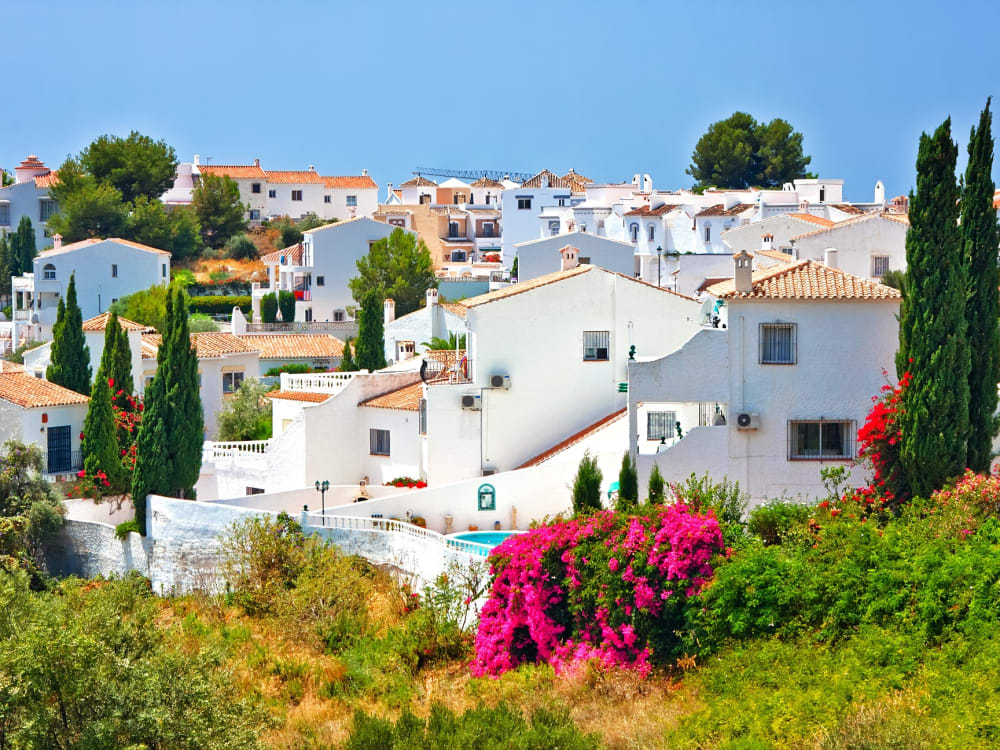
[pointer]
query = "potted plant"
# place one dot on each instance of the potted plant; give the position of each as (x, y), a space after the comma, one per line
(473, 527)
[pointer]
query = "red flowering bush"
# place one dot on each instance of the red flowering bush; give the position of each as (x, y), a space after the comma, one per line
(127, 420)
(609, 586)
(406, 482)
(879, 449)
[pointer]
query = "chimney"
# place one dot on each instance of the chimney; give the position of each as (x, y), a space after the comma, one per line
(879, 192)
(364, 172)
(570, 257)
(353, 211)
(312, 167)
(432, 297)
(830, 257)
(388, 194)
(767, 242)
(803, 206)
(197, 160)
(743, 276)
(56, 241)
(389, 311)
(256, 163)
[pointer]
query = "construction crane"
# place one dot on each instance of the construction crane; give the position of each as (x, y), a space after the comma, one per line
(475, 174)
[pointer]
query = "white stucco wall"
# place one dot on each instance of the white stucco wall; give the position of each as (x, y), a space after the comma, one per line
(857, 242)
(539, 257)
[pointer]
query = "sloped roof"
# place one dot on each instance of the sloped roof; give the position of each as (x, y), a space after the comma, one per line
(234, 171)
(294, 177)
(418, 181)
(455, 308)
(486, 182)
(574, 439)
(555, 181)
(406, 398)
(96, 241)
(7, 366)
(719, 209)
(847, 208)
(819, 220)
(207, 345)
(306, 396)
(361, 181)
(47, 180)
(524, 286)
(292, 255)
(870, 216)
(658, 211)
(100, 323)
(776, 255)
(294, 345)
(30, 392)
(807, 280)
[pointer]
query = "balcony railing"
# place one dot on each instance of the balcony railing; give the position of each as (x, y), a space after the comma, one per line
(247, 453)
(318, 382)
(62, 462)
(22, 314)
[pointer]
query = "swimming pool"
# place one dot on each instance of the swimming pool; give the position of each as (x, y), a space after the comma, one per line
(488, 538)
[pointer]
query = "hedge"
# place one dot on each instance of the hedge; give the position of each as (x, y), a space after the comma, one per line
(218, 304)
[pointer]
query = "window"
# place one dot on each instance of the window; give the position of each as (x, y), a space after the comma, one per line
(633, 232)
(320, 281)
(880, 265)
(4, 214)
(272, 193)
(339, 316)
(453, 229)
(554, 227)
(309, 315)
(296, 195)
(255, 187)
(422, 416)
(660, 424)
(777, 343)
(327, 199)
(47, 208)
(524, 204)
(596, 345)
(254, 214)
(822, 195)
(708, 232)
(819, 439)
(114, 270)
(378, 441)
(163, 270)
(49, 272)
(488, 228)
(458, 256)
(352, 200)
(424, 198)
(231, 381)
(255, 490)
(652, 232)
(584, 260)
(113, 300)
(487, 497)
(583, 227)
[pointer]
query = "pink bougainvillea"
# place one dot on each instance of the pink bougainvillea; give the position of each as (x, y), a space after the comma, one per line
(609, 587)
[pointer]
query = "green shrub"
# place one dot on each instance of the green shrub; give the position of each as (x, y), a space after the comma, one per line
(269, 307)
(587, 485)
(724, 498)
(241, 247)
(293, 368)
(286, 305)
(655, 486)
(201, 323)
(773, 521)
(125, 528)
(219, 305)
(18, 354)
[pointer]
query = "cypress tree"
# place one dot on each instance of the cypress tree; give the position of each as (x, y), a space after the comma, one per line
(932, 328)
(22, 247)
(116, 361)
(6, 267)
(100, 441)
(151, 470)
(185, 420)
(628, 484)
(347, 361)
(370, 350)
(655, 486)
(587, 486)
(981, 238)
(70, 358)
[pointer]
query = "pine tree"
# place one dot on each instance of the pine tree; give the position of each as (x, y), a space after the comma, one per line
(100, 441)
(70, 357)
(347, 361)
(628, 484)
(932, 328)
(370, 350)
(655, 486)
(587, 486)
(981, 238)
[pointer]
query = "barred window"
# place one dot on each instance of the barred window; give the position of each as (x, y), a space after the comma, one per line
(596, 345)
(378, 442)
(820, 439)
(422, 418)
(660, 424)
(777, 343)
(880, 265)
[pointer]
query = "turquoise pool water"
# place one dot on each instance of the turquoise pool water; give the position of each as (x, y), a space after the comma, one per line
(489, 538)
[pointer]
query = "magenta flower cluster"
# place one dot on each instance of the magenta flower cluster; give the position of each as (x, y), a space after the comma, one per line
(609, 586)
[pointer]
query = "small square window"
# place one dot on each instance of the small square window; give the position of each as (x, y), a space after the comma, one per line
(231, 381)
(820, 439)
(255, 187)
(524, 204)
(777, 343)
(880, 265)
(296, 195)
(327, 198)
(378, 442)
(352, 200)
(320, 281)
(596, 345)
(660, 424)
(272, 193)
(114, 270)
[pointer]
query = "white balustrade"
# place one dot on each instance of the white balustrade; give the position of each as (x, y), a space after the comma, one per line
(318, 382)
(362, 523)
(236, 452)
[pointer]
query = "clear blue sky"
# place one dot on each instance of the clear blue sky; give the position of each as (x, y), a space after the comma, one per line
(608, 88)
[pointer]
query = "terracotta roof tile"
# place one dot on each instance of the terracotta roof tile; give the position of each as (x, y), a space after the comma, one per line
(406, 398)
(847, 208)
(208, 345)
(898, 218)
(31, 392)
(524, 286)
(293, 177)
(820, 220)
(312, 398)
(418, 181)
(234, 171)
(574, 439)
(294, 345)
(806, 280)
(6, 366)
(293, 255)
(47, 180)
(486, 182)
(455, 308)
(361, 181)
(776, 255)
(100, 323)
(719, 209)
(658, 211)
(96, 241)
(555, 181)
(32, 162)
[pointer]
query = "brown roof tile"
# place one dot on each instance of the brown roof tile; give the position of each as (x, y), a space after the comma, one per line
(847, 208)
(100, 323)
(658, 211)
(6, 366)
(776, 255)
(312, 398)
(31, 392)
(418, 181)
(820, 220)
(208, 345)
(719, 209)
(455, 308)
(294, 345)
(234, 171)
(360, 181)
(406, 398)
(806, 280)
(555, 181)
(293, 255)
(898, 218)
(47, 180)
(486, 182)
(294, 177)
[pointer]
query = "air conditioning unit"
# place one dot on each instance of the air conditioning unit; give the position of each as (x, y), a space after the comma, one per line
(747, 421)
(472, 402)
(500, 381)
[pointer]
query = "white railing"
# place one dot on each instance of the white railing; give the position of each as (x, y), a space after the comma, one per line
(237, 452)
(319, 382)
(362, 523)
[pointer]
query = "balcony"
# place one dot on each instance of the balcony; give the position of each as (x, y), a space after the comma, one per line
(319, 382)
(58, 463)
(23, 316)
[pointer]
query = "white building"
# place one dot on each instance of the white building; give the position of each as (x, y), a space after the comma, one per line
(782, 228)
(38, 412)
(523, 205)
(539, 257)
(29, 196)
(317, 269)
(105, 270)
(405, 337)
(868, 245)
(793, 376)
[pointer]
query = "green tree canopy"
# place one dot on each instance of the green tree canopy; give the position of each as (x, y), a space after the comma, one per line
(22, 247)
(269, 307)
(148, 307)
(241, 247)
(286, 305)
(136, 166)
(70, 365)
(740, 152)
(248, 415)
(397, 267)
(216, 204)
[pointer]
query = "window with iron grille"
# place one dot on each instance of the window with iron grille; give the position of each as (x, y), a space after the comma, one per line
(378, 442)
(777, 343)
(820, 439)
(660, 424)
(422, 420)
(880, 265)
(596, 345)
(706, 413)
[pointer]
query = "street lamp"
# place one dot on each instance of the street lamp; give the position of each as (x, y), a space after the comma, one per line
(321, 488)
(659, 258)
